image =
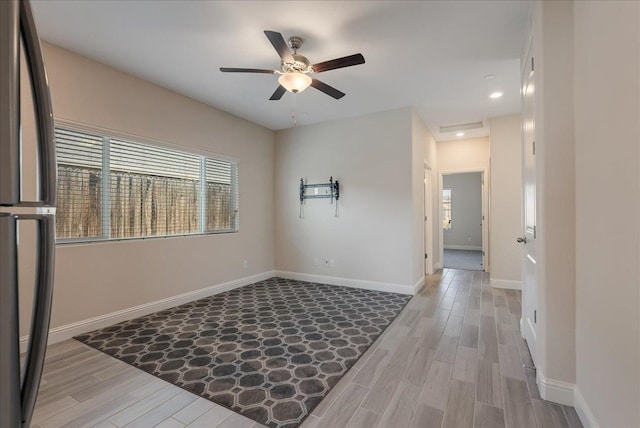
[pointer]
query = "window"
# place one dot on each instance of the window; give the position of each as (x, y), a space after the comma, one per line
(446, 209)
(109, 188)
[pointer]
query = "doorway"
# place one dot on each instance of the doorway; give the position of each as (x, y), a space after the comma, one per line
(463, 235)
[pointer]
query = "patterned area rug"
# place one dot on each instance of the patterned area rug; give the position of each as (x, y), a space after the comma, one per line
(269, 351)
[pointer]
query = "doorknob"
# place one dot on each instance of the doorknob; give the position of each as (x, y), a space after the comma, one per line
(522, 240)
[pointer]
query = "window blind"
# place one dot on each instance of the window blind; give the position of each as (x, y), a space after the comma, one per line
(111, 188)
(153, 191)
(79, 211)
(221, 200)
(144, 159)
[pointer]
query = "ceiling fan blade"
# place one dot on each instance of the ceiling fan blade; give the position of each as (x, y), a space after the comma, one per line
(329, 90)
(245, 70)
(280, 90)
(333, 64)
(280, 45)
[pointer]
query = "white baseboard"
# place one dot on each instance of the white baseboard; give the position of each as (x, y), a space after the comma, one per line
(64, 332)
(463, 247)
(555, 390)
(418, 285)
(355, 283)
(583, 410)
(437, 266)
(505, 283)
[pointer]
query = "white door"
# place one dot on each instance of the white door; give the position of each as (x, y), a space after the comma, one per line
(428, 230)
(529, 283)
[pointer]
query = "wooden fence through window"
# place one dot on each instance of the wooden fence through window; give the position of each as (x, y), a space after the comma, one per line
(140, 205)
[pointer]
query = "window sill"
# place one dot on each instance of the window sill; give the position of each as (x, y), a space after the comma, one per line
(75, 242)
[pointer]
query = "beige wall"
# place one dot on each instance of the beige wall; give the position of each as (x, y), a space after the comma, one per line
(466, 210)
(607, 131)
(424, 155)
(372, 238)
(506, 201)
(95, 279)
(463, 154)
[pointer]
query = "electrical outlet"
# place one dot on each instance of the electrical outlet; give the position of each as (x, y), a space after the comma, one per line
(245, 264)
(326, 262)
(332, 263)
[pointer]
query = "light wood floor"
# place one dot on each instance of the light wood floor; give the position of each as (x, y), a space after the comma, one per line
(453, 358)
(463, 259)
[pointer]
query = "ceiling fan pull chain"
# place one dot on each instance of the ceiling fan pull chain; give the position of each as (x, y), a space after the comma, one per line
(293, 109)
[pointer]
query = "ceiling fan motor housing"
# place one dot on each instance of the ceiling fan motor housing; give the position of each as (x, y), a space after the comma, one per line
(295, 42)
(300, 64)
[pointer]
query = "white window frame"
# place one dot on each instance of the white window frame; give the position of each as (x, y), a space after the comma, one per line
(450, 189)
(106, 136)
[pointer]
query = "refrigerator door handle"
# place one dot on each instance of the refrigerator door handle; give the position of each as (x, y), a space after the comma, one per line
(10, 367)
(9, 103)
(41, 314)
(42, 102)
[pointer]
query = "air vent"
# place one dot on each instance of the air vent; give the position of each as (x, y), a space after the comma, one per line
(461, 127)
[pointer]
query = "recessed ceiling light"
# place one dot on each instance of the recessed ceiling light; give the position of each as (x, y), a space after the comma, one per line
(459, 134)
(496, 94)
(489, 77)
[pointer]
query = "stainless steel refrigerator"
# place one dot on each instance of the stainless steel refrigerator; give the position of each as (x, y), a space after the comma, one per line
(19, 383)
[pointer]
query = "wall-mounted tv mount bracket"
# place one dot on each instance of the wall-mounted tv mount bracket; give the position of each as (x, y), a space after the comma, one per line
(330, 190)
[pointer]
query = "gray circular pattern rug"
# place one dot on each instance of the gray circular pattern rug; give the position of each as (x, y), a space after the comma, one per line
(269, 351)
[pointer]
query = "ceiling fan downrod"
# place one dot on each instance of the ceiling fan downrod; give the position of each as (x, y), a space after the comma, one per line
(295, 43)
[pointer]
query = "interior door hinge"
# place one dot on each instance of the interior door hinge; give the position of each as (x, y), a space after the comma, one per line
(535, 316)
(531, 63)
(534, 232)
(533, 144)
(425, 255)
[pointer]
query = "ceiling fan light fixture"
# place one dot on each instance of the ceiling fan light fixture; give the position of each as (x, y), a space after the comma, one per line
(294, 81)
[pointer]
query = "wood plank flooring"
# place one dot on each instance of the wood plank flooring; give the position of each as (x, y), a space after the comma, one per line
(453, 358)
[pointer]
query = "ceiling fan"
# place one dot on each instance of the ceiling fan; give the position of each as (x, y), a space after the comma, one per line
(295, 69)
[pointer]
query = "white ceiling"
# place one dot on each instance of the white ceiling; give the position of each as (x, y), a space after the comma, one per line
(430, 55)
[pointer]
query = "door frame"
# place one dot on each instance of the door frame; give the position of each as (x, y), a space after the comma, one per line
(486, 183)
(427, 207)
